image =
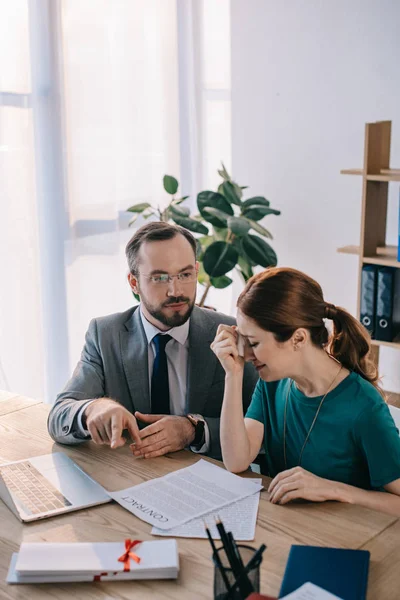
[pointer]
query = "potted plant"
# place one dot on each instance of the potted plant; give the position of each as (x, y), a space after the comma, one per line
(226, 228)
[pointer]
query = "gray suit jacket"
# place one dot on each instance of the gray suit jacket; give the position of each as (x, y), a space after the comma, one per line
(114, 363)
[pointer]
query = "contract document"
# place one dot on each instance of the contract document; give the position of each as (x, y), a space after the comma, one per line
(239, 518)
(180, 496)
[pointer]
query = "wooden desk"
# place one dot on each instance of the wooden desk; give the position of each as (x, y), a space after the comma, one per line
(23, 433)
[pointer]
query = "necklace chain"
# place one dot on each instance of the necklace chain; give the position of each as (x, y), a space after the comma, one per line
(313, 422)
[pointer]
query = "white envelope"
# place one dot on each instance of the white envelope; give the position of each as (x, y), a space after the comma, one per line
(86, 561)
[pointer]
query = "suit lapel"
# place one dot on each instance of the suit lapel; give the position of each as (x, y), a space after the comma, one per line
(134, 354)
(202, 362)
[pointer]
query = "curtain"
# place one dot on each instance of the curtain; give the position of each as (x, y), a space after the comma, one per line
(99, 99)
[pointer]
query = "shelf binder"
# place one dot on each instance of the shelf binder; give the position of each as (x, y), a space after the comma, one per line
(398, 245)
(368, 297)
(387, 319)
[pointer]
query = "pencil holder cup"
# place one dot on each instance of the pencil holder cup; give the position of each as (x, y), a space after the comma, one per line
(223, 574)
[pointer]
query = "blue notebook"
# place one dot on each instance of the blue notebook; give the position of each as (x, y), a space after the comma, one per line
(336, 570)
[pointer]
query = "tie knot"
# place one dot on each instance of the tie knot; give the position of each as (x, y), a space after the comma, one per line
(161, 340)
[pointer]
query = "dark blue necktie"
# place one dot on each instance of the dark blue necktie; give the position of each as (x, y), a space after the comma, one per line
(159, 378)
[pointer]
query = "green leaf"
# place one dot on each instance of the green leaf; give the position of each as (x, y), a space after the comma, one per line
(220, 282)
(219, 258)
(224, 173)
(238, 225)
(255, 200)
(257, 212)
(245, 267)
(232, 192)
(244, 275)
(258, 251)
(190, 224)
(179, 200)
(138, 208)
(260, 229)
(239, 190)
(181, 211)
(170, 184)
(214, 200)
(215, 212)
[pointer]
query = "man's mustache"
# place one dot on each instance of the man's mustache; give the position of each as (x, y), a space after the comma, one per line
(177, 300)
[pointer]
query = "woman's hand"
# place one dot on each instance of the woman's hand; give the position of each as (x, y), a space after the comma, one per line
(225, 348)
(299, 483)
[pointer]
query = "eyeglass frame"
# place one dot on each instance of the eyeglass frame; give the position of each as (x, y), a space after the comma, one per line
(170, 279)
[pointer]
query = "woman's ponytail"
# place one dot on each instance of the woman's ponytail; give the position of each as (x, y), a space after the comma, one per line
(349, 343)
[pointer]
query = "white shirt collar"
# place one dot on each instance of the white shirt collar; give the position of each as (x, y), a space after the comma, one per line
(180, 334)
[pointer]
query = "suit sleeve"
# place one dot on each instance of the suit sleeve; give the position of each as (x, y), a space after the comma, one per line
(86, 383)
(250, 378)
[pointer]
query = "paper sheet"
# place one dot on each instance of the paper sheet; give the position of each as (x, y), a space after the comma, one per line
(181, 496)
(309, 591)
(239, 518)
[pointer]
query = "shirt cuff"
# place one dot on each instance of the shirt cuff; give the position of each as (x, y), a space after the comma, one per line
(81, 429)
(206, 446)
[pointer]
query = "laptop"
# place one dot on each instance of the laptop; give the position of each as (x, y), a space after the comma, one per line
(44, 486)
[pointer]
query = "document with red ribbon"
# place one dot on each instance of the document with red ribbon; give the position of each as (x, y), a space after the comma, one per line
(102, 561)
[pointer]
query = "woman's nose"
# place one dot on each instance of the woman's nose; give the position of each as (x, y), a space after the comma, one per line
(248, 352)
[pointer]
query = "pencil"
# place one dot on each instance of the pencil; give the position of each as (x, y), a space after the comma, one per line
(217, 558)
(252, 563)
(228, 542)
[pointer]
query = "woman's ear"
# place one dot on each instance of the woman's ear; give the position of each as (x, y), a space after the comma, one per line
(299, 338)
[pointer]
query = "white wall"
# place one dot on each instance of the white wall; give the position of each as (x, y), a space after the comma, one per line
(306, 76)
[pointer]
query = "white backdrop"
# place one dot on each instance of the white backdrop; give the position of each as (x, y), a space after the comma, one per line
(306, 77)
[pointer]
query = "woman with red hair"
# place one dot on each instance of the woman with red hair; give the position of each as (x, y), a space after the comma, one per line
(317, 410)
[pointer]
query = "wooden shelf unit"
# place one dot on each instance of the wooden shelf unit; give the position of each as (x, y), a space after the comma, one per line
(376, 175)
(387, 255)
(384, 174)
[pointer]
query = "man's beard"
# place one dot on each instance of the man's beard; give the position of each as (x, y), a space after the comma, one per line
(176, 319)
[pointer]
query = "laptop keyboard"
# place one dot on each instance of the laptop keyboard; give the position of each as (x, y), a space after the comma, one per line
(31, 489)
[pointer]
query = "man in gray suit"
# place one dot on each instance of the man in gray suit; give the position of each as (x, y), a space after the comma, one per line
(151, 366)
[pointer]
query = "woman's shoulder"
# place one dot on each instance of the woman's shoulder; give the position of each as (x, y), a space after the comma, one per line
(365, 396)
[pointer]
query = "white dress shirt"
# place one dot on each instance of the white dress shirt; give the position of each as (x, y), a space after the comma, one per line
(177, 351)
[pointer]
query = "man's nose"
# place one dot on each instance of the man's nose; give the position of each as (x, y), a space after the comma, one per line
(174, 287)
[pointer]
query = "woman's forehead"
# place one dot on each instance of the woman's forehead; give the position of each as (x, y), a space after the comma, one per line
(246, 326)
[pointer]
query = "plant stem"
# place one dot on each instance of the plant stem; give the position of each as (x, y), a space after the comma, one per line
(204, 296)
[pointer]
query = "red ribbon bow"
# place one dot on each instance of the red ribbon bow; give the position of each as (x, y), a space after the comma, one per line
(125, 558)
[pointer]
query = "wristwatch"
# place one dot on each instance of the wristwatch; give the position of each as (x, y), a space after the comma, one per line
(198, 423)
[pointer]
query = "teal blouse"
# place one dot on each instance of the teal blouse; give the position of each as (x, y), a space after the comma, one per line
(354, 439)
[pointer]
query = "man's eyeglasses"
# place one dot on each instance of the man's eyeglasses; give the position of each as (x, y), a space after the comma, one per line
(165, 278)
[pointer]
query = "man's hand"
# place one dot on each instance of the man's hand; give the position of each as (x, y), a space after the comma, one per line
(298, 483)
(106, 420)
(166, 433)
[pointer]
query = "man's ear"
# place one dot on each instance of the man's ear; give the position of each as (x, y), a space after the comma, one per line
(134, 283)
(299, 338)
